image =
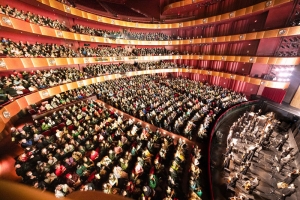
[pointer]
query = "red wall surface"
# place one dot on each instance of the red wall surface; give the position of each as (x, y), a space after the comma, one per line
(275, 17)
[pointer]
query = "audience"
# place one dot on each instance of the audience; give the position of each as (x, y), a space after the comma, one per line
(78, 28)
(95, 32)
(19, 83)
(10, 48)
(104, 152)
(147, 36)
(33, 18)
(62, 99)
(101, 69)
(68, 2)
(176, 105)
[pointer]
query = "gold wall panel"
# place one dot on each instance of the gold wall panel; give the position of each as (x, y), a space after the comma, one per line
(3, 119)
(259, 7)
(255, 81)
(296, 99)
(2, 123)
(271, 33)
(72, 86)
(35, 29)
(54, 90)
(274, 84)
(39, 62)
(63, 88)
(33, 98)
(239, 78)
(79, 13)
(226, 75)
(22, 102)
(13, 108)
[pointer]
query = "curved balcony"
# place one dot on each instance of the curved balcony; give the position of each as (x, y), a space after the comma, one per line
(255, 9)
(10, 23)
(19, 63)
(14, 107)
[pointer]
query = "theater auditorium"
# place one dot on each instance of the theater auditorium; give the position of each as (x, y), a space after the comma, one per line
(150, 99)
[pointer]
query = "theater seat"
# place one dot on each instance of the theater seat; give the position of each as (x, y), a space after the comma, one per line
(53, 129)
(32, 111)
(61, 125)
(71, 127)
(47, 133)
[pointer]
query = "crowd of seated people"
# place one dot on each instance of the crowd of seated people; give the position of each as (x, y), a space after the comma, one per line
(87, 91)
(67, 2)
(89, 147)
(63, 99)
(33, 18)
(100, 69)
(78, 28)
(118, 34)
(257, 152)
(10, 48)
(154, 52)
(104, 51)
(95, 32)
(177, 105)
(146, 36)
(19, 83)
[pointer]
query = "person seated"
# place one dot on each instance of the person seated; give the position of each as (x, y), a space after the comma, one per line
(73, 180)
(62, 190)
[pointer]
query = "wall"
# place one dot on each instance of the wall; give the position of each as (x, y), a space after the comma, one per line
(267, 47)
(295, 101)
(276, 18)
(294, 84)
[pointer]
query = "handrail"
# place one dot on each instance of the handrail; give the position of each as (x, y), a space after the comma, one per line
(10, 63)
(257, 8)
(17, 24)
(212, 134)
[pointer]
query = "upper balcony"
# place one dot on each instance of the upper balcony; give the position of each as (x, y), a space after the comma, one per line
(234, 14)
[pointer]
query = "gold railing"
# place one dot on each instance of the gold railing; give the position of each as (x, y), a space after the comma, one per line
(19, 63)
(257, 8)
